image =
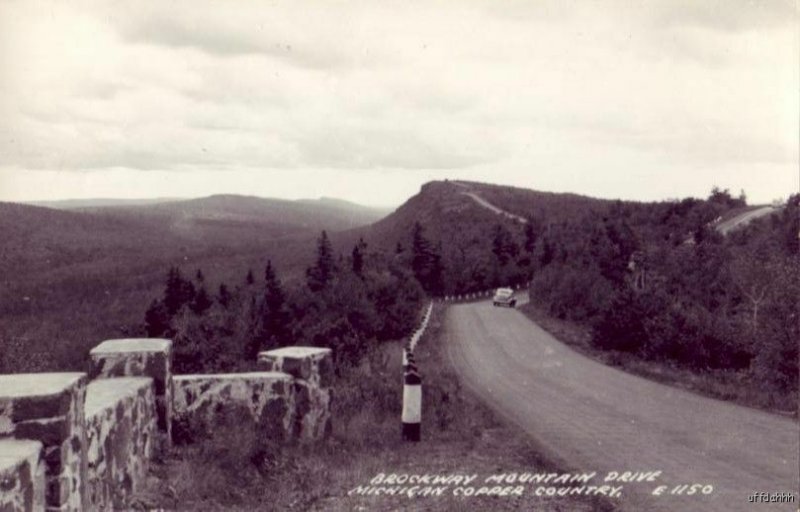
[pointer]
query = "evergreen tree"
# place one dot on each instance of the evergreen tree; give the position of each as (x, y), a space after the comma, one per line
(199, 276)
(426, 262)
(319, 275)
(224, 296)
(201, 301)
(250, 279)
(252, 337)
(436, 277)
(275, 318)
(503, 245)
(544, 253)
(533, 230)
(421, 254)
(156, 320)
(358, 257)
(178, 292)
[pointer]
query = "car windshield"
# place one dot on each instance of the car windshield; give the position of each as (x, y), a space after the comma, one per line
(505, 292)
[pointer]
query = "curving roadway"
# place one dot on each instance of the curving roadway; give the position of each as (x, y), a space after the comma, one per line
(592, 417)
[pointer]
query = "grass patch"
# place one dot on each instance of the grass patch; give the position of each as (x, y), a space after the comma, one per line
(460, 436)
(732, 386)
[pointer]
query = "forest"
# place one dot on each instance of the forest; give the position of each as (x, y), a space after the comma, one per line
(653, 280)
(345, 303)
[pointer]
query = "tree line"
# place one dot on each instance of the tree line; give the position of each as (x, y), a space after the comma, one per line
(659, 281)
(656, 280)
(344, 303)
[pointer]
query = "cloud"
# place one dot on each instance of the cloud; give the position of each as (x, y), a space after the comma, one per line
(368, 87)
(312, 41)
(724, 15)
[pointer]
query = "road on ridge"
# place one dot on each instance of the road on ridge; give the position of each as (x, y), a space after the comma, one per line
(592, 417)
(743, 219)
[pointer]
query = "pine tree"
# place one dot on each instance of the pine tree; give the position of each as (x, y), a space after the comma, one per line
(156, 320)
(436, 277)
(178, 291)
(421, 254)
(201, 301)
(503, 245)
(252, 337)
(223, 296)
(274, 312)
(532, 232)
(250, 279)
(319, 275)
(426, 262)
(358, 257)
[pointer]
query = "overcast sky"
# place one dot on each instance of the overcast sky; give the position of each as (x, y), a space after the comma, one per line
(368, 100)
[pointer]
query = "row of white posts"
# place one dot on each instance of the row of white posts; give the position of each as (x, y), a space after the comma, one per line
(480, 295)
(412, 385)
(412, 382)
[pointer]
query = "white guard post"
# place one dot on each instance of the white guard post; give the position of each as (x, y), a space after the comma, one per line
(412, 400)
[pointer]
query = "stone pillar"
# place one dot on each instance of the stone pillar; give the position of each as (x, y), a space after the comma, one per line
(49, 408)
(312, 368)
(140, 357)
(120, 435)
(22, 482)
(263, 401)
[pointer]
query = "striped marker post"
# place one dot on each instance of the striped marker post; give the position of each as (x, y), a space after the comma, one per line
(408, 361)
(412, 402)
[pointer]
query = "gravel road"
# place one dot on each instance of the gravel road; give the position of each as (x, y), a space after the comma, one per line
(592, 417)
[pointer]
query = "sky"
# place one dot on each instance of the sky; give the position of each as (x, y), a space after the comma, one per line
(366, 101)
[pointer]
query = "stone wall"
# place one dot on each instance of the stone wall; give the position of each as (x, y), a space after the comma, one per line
(70, 445)
(139, 358)
(312, 368)
(48, 407)
(22, 482)
(312, 364)
(120, 435)
(262, 400)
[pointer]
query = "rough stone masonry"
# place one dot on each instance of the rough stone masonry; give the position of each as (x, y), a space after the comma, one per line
(67, 444)
(139, 358)
(256, 400)
(48, 408)
(120, 435)
(21, 475)
(312, 368)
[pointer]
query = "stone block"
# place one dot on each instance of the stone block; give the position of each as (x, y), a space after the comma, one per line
(312, 364)
(49, 408)
(120, 435)
(312, 411)
(139, 357)
(265, 400)
(22, 480)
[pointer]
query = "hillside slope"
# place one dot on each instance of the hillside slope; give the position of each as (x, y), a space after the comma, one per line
(443, 205)
(462, 230)
(71, 277)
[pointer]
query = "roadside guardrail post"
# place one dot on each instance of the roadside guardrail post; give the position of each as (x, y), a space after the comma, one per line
(412, 401)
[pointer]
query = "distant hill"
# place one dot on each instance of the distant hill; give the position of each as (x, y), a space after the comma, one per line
(462, 227)
(45, 239)
(69, 204)
(77, 274)
(229, 218)
(72, 276)
(445, 209)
